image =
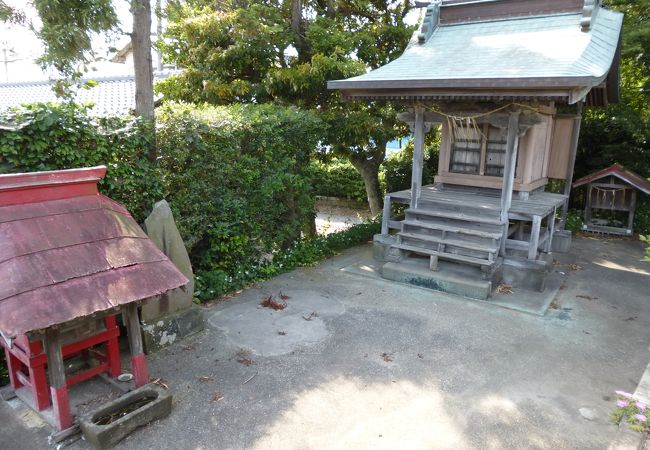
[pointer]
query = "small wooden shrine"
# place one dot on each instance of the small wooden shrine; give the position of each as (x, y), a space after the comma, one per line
(506, 81)
(608, 191)
(71, 260)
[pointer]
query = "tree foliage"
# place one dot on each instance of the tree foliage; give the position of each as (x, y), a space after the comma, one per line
(257, 51)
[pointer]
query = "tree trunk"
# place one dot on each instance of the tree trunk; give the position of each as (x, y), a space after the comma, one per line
(368, 168)
(141, 42)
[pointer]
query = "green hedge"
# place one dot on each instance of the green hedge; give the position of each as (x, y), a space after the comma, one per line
(338, 178)
(49, 136)
(237, 179)
(304, 252)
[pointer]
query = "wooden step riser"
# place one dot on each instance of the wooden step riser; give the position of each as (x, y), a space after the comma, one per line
(447, 248)
(487, 211)
(439, 234)
(445, 256)
(488, 227)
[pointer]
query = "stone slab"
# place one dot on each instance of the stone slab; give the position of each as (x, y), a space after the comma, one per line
(440, 280)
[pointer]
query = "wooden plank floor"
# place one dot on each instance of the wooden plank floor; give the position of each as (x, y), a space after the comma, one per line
(538, 204)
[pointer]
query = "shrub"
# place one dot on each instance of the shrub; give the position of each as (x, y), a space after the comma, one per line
(397, 168)
(48, 136)
(338, 178)
(237, 179)
(642, 214)
(574, 220)
(304, 252)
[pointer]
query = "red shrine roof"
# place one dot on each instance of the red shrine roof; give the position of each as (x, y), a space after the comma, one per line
(619, 172)
(66, 251)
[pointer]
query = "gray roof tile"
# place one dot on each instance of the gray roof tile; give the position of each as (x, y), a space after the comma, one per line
(551, 49)
(111, 96)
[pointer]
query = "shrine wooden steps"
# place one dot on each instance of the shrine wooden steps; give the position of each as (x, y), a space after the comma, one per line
(455, 232)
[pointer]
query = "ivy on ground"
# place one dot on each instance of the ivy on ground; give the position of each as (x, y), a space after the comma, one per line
(212, 284)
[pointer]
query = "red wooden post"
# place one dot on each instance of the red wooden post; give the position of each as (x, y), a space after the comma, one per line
(39, 387)
(58, 388)
(112, 349)
(13, 365)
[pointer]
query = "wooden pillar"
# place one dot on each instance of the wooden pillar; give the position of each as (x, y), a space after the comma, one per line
(418, 156)
(575, 136)
(630, 218)
(551, 231)
(512, 143)
(138, 360)
(385, 218)
(587, 205)
(58, 388)
(534, 237)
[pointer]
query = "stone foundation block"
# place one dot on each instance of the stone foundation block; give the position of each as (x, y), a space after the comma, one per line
(525, 274)
(441, 280)
(561, 241)
(381, 247)
(169, 329)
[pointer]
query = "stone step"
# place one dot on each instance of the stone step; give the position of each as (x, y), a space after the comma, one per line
(460, 216)
(443, 255)
(476, 246)
(452, 228)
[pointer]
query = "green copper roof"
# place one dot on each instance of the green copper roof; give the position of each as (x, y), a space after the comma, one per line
(532, 53)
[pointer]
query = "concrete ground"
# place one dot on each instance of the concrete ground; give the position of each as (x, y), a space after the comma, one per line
(338, 214)
(358, 362)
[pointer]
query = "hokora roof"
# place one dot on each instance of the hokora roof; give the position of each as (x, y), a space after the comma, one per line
(67, 251)
(619, 172)
(547, 52)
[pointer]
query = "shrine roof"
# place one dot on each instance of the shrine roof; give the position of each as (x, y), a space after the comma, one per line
(67, 252)
(619, 172)
(547, 53)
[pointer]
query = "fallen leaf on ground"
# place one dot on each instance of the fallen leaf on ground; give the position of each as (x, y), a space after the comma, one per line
(217, 396)
(586, 297)
(160, 382)
(283, 296)
(270, 302)
(553, 305)
(504, 289)
(388, 357)
(245, 359)
(205, 379)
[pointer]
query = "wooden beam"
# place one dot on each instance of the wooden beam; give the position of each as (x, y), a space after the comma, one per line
(58, 388)
(497, 119)
(509, 174)
(575, 136)
(138, 360)
(418, 156)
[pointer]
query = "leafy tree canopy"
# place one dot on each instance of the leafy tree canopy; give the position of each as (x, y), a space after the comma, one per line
(256, 51)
